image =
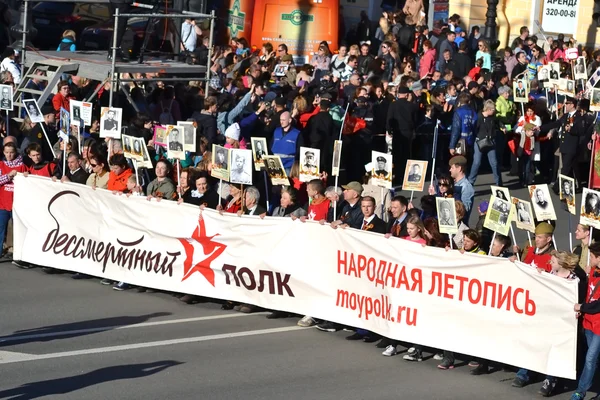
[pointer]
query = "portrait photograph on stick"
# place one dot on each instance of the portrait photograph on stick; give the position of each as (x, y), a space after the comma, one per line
(259, 150)
(220, 163)
(33, 111)
(542, 202)
(499, 215)
(160, 136)
(189, 135)
(595, 100)
(110, 122)
(567, 192)
(580, 69)
(500, 192)
(276, 171)
(309, 164)
(175, 142)
(127, 142)
(414, 175)
(523, 215)
(241, 166)
(446, 215)
(6, 97)
(520, 91)
(381, 172)
(590, 208)
(65, 121)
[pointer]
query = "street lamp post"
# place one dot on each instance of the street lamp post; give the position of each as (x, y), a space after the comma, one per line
(490, 32)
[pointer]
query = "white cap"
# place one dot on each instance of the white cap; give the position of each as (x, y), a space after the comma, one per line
(233, 132)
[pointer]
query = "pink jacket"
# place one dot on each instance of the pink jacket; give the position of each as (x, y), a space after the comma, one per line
(427, 65)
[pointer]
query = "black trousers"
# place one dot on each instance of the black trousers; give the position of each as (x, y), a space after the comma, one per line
(568, 163)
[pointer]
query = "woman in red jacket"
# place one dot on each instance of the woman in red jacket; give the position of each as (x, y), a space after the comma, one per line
(62, 98)
(8, 170)
(591, 324)
(427, 63)
(119, 173)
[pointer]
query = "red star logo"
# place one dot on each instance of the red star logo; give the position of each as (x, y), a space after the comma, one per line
(209, 247)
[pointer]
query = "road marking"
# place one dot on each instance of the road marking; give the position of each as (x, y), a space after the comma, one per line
(6, 339)
(22, 357)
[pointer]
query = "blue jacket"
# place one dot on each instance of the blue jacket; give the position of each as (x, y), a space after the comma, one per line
(463, 126)
(286, 146)
(67, 44)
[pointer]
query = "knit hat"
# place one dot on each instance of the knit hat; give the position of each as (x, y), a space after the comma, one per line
(483, 206)
(233, 132)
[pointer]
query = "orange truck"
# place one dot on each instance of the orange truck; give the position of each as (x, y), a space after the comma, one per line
(300, 24)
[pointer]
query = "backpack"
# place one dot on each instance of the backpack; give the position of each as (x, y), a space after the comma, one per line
(166, 118)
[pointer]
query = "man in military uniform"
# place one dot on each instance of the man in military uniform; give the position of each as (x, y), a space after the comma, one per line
(238, 175)
(110, 123)
(273, 169)
(574, 128)
(415, 173)
(309, 166)
(5, 102)
(174, 143)
(221, 159)
(446, 214)
(553, 72)
(381, 171)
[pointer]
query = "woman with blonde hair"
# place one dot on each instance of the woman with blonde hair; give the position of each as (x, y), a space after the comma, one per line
(484, 53)
(416, 231)
(68, 41)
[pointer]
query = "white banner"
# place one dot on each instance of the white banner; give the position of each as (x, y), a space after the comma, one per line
(477, 305)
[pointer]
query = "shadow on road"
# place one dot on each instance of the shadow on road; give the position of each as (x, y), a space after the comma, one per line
(70, 384)
(75, 329)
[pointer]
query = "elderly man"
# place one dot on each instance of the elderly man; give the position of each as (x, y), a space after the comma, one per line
(252, 196)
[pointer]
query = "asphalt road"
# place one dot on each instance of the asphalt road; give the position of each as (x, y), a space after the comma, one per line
(68, 339)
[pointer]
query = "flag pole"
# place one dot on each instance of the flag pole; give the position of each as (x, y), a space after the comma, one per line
(434, 150)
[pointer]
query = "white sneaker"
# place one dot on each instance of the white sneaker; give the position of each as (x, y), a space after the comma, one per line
(411, 350)
(438, 356)
(306, 321)
(390, 351)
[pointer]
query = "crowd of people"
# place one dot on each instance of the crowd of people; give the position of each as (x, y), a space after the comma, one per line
(402, 85)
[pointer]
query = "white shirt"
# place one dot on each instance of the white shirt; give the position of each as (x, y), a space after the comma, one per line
(188, 35)
(12, 67)
(252, 209)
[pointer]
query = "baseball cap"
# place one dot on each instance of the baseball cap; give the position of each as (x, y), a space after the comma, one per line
(354, 185)
(269, 97)
(416, 86)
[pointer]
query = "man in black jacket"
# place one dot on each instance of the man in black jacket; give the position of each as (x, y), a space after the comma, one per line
(351, 215)
(405, 37)
(397, 224)
(574, 128)
(207, 123)
(319, 132)
(521, 66)
(401, 122)
(464, 62)
(75, 173)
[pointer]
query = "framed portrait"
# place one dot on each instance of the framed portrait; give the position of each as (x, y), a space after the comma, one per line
(414, 175)
(110, 122)
(543, 76)
(569, 87)
(590, 208)
(500, 192)
(310, 160)
(6, 97)
(595, 100)
(33, 111)
(554, 73)
(127, 142)
(381, 170)
(499, 215)
(567, 192)
(65, 121)
(276, 171)
(580, 69)
(523, 215)
(241, 166)
(542, 202)
(280, 70)
(520, 91)
(189, 135)
(337, 158)
(76, 112)
(220, 163)
(137, 148)
(160, 135)
(175, 142)
(446, 215)
(146, 161)
(259, 150)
